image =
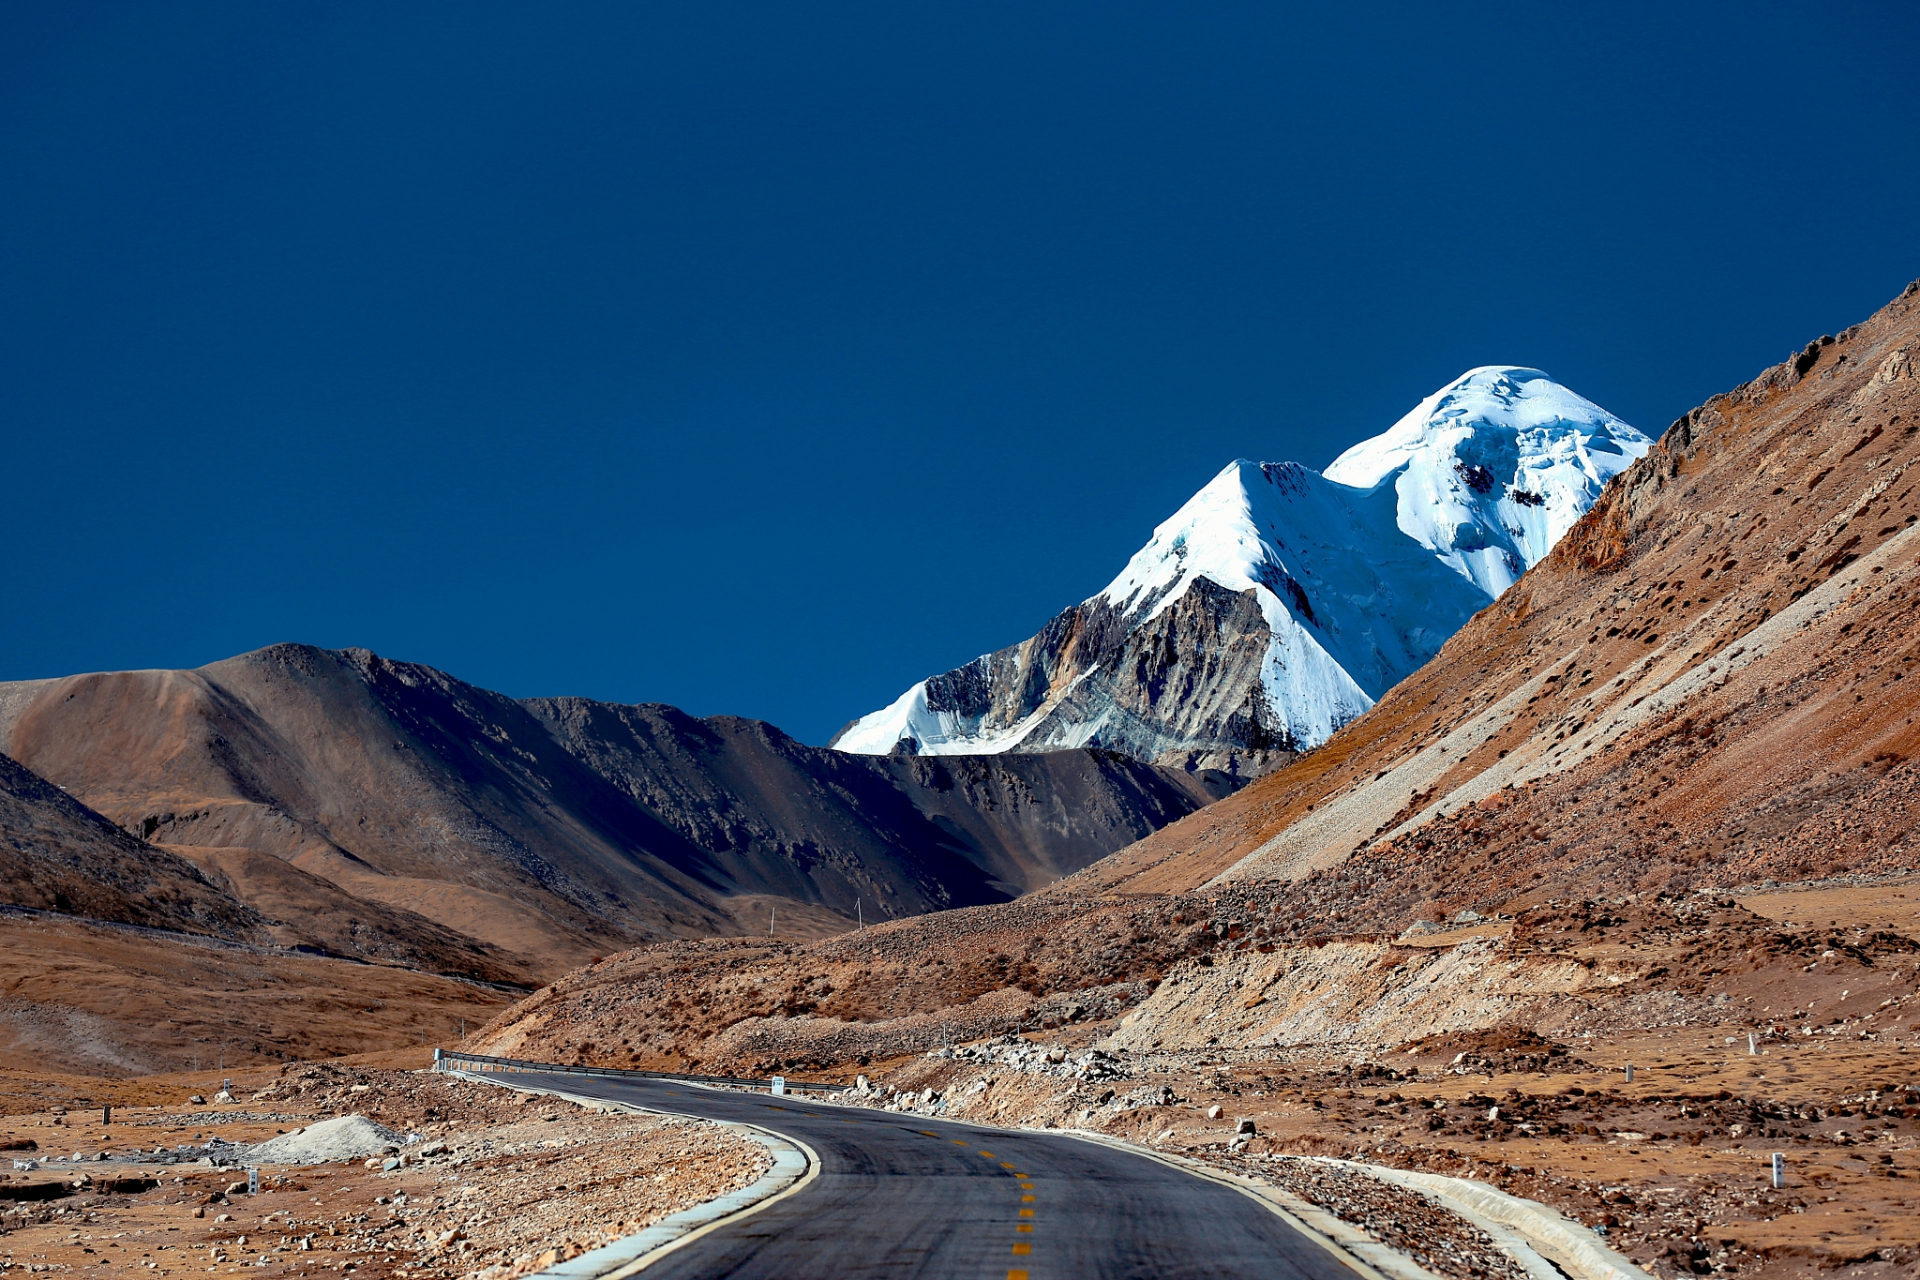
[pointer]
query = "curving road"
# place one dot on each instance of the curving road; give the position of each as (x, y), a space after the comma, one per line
(902, 1195)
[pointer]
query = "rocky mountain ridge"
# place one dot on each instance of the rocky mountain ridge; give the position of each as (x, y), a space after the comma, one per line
(58, 855)
(387, 810)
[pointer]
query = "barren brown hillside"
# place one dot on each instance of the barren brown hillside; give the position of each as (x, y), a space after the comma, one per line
(118, 1001)
(58, 855)
(387, 811)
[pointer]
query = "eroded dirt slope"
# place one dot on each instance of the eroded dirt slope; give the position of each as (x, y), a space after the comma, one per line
(107, 1000)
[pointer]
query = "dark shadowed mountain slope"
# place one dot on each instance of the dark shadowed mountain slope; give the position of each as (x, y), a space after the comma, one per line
(775, 813)
(58, 855)
(338, 785)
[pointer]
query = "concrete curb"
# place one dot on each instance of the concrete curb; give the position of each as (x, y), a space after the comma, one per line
(1540, 1238)
(795, 1165)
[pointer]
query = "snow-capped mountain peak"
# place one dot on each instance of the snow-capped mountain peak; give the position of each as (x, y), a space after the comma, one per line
(1278, 603)
(1493, 468)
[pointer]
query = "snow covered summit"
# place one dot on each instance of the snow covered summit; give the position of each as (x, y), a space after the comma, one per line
(1278, 604)
(1492, 468)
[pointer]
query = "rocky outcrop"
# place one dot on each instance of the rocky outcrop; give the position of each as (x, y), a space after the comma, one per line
(1187, 679)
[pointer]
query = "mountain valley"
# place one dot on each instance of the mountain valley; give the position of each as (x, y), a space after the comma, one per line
(1586, 875)
(1652, 802)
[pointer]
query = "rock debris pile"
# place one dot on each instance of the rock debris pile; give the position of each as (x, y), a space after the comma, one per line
(1435, 1237)
(339, 1139)
(1020, 1054)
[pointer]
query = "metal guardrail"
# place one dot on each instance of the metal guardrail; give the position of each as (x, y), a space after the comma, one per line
(481, 1062)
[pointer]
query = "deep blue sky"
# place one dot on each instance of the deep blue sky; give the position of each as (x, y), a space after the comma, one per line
(763, 358)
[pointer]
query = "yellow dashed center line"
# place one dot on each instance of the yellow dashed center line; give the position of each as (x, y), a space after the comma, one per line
(1025, 1226)
(1026, 1213)
(1016, 1275)
(1023, 1248)
(1027, 1199)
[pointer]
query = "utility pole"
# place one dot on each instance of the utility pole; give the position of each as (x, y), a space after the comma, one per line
(772, 915)
(860, 913)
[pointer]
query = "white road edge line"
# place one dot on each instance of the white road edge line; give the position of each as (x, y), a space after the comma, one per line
(795, 1166)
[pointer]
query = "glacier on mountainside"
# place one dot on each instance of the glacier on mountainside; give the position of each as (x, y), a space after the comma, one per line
(1491, 469)
(1321, 590)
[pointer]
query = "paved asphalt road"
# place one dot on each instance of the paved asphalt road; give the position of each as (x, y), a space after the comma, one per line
(901, 1195)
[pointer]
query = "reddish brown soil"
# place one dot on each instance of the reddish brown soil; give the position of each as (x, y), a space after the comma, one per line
(98, 1000)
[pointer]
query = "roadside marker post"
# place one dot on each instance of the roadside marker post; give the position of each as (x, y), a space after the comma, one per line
(779, 1086)
(253, 1180)
(1751, 1049)
(1629, 1073)
(1779, 1170)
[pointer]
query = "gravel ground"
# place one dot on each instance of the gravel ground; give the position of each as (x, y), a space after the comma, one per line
(524, 1181)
